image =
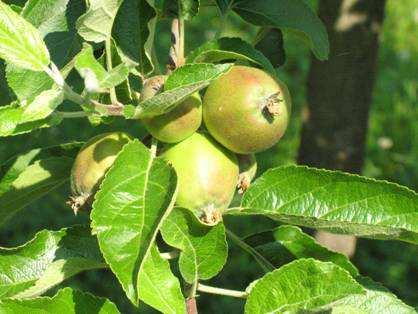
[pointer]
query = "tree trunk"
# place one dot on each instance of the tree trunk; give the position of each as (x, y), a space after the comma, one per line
(340, 93)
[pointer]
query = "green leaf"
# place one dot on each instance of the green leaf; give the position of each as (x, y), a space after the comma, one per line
(42, 106)
(20, 42)
(27, 84)
(115, 76)
(55, 20)
(203, 248)
(183, 82)
(21, 186)
(286, 243)
(96, 24)
(229, 48)
(47, 260)
(158, 286)
(304, 284)
(376, 300)
(65, 301)
(96, 78)
(334, 201)
(135, 196)
(133, 33)
(89, 68)
(293, 14)
(271, 45)
(13, 123)
(15, 119)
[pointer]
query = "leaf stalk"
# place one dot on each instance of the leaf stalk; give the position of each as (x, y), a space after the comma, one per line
(222, 291)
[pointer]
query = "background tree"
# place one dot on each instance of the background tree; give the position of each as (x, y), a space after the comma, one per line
(339, 94)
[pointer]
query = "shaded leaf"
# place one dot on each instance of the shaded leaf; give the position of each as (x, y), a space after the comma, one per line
(171, 9)
(96, 24)
(66, 301)
(293, 14)
(286, 243)
(203, 248)
(189, 8)
(229, 49)
(135, 196)
(133, 33)
(6, 96)
(271, 45)
(26, 182)
(20, 42)
(334, 201)
(48, 259)
(223, 5)
(55, 20)
(305, 284)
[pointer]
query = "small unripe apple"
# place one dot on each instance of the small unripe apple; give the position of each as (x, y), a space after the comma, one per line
(92, 163)
(207, 175)
(177, 124)
(246, 110)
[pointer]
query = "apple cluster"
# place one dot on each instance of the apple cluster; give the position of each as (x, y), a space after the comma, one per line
(210, 142)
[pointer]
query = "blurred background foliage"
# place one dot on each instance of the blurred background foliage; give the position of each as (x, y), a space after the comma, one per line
(392, 154)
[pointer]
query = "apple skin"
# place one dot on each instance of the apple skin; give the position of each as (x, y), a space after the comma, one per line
(207, 175)
(236, 114)
(177, 124)
(91, 164)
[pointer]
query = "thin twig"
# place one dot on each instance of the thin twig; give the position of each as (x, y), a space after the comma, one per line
(180, 56)
(191, 306)
(262, 261)
(108, 48)
(74, 114)
(221, 291)
(191, 300)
